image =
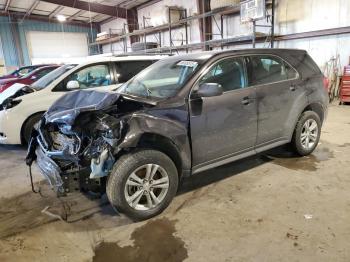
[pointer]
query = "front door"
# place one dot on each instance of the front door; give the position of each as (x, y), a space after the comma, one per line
(225, 125)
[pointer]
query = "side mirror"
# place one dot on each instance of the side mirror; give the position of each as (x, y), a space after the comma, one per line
(209, 89)
(73, 84)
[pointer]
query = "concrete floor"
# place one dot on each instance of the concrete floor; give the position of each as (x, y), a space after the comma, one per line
(272, 207)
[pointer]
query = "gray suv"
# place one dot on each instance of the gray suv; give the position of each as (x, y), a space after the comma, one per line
(180, 116)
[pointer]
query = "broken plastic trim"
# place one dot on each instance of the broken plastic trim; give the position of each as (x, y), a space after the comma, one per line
(49, 169)
(101, 166)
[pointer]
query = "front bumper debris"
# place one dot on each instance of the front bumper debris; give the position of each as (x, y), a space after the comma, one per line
(50, 170)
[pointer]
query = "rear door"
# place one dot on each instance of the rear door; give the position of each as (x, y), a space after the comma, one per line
(226, 125)
(277, 89)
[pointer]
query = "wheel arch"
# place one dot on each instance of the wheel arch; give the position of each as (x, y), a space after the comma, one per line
(317, 108)
(26, 121)
(162, 144)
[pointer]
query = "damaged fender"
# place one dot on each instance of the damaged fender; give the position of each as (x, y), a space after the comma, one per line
(150, 123)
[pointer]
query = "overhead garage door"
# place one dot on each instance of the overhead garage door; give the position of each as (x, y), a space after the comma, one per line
(51, 45)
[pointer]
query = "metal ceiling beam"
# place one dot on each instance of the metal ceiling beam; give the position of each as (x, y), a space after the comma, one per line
(43, 18)
(77, 14)
(7, 5)
(93, 7)
(30, 10)
(94, 18)
(56, 11)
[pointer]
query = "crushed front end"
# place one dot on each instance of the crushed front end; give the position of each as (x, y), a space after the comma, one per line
(77, 140)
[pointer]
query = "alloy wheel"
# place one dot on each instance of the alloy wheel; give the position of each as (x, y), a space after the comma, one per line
(146, 187)
(309, 134)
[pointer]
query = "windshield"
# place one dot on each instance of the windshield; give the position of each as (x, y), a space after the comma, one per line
(22, 71)
(161, 80)
(50, 77)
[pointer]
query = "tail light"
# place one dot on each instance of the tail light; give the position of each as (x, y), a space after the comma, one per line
(326, 83)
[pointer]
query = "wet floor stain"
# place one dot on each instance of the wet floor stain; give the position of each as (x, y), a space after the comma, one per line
(154, 241)
(24, 212)
(289, 160)
(345, 145)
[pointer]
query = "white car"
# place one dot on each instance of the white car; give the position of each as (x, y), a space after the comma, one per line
(18, 115)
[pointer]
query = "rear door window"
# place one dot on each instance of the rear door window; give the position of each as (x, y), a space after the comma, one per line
(265, 69)
(128, 69)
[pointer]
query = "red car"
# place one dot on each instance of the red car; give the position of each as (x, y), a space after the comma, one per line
(28, 78)
(22, 71)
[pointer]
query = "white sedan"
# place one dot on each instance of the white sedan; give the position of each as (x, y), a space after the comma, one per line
(18, 115)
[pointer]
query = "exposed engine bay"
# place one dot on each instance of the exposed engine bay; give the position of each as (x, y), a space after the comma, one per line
(77, 139)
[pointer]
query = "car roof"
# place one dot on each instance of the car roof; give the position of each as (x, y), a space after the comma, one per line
(43, 68)
(122, 58)
(209, 54)
(35, 66)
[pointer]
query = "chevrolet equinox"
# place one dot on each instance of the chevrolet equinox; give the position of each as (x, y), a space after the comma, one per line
(180, 116)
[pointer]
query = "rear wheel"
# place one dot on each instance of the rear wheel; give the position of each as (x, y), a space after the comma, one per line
(142, 184)
(307, 133)
(29, 126)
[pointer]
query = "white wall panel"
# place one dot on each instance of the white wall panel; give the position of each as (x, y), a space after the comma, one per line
(291, 17)
(115, 27)
(56, 44)
(159, 15)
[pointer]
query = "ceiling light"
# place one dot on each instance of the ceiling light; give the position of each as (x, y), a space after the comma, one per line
(61, 18)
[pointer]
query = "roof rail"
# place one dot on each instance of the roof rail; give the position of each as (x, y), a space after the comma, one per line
(141, 54)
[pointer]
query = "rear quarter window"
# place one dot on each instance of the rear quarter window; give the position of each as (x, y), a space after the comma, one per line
(128, 69)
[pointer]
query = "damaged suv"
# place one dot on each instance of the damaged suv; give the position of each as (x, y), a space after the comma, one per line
(180, 116)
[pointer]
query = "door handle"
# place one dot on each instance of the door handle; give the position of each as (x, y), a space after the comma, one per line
(292, 88)
(245, 101)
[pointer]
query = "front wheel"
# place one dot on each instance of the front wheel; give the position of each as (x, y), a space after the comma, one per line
(29, 126)
(307, 133)
(142, 184)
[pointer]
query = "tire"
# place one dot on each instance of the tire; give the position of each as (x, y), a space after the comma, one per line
(300, 144)
(118, 190)
(28, 127)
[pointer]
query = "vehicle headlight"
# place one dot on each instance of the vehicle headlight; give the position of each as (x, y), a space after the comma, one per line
(10, 103)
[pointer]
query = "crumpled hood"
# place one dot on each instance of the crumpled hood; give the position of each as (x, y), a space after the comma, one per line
(67, 108)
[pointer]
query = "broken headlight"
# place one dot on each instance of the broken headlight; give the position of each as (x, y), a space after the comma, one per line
(10, 103)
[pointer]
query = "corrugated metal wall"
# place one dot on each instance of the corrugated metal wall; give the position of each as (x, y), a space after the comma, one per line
(9, 47)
